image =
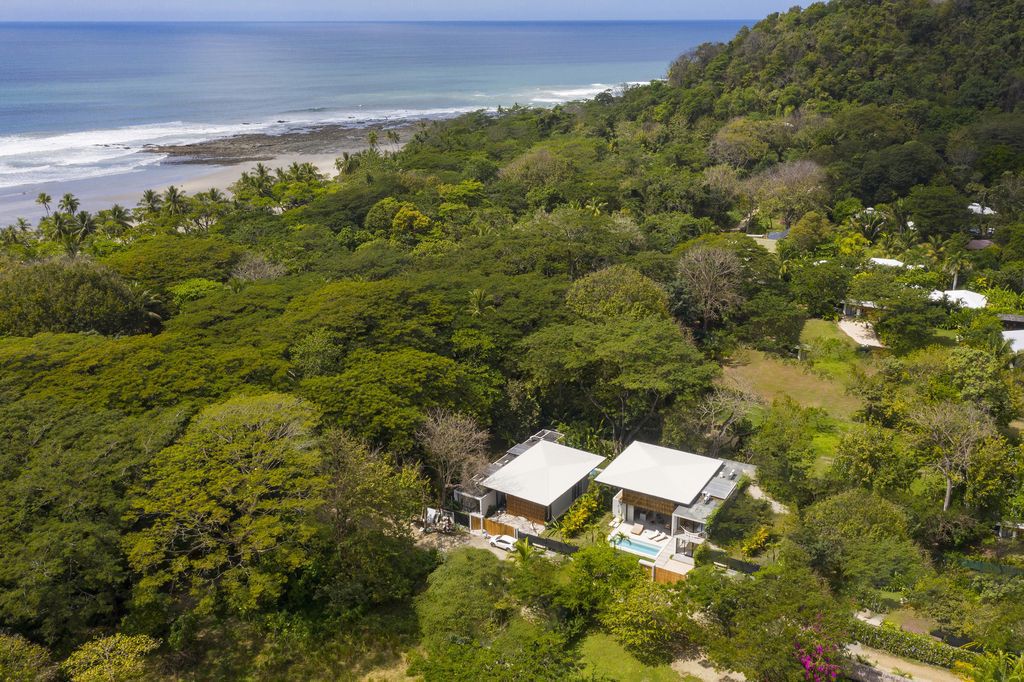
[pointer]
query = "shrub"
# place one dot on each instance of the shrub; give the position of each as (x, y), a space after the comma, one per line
(67, 296)
(756, 542)
(582, 512)
(192, 289)
(897, 641)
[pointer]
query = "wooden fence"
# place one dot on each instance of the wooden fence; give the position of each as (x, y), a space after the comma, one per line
(548, 543)
(497, 528)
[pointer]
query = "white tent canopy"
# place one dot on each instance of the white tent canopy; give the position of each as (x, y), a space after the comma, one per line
(543, 473)
(653, 470)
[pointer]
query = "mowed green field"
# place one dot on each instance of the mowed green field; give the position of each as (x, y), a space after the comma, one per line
(605, 659)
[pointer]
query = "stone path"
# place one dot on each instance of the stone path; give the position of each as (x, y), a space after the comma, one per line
(755, 491)
(704, 671)
(892, 664)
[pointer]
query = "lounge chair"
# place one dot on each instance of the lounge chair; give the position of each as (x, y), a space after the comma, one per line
(637, 529)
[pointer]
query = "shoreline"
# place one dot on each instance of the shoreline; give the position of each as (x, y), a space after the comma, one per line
(216, 163)
(315, 140)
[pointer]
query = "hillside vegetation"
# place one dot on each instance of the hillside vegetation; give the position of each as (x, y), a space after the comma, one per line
(220, 414)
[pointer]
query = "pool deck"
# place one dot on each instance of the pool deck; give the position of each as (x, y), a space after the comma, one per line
(666, 557)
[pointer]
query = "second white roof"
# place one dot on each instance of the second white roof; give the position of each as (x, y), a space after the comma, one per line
(670, 474)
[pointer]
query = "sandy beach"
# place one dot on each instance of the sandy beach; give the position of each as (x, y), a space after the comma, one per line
(211, 164)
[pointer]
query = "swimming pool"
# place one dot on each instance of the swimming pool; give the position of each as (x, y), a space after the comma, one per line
(634, 546)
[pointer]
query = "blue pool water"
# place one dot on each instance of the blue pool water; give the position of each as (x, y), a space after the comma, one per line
(638, 547)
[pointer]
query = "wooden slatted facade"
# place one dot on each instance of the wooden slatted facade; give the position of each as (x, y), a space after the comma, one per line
(655, 504)
(665, 576)
(526, 509)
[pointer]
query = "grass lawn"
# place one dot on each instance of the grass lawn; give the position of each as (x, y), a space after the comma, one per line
(772, 378)
(605, 658)
(911, 620)
(824, 330)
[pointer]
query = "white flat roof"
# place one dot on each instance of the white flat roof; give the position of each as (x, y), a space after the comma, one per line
(670, 474)
(543, 473)
(961, 297)
(1016, 339)
(887, 262)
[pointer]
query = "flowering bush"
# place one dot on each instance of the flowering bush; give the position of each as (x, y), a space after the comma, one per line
(818, 656)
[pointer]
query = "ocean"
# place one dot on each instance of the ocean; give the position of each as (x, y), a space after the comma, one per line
(77, 101)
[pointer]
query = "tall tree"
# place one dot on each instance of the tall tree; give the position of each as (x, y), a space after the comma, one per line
(225, 515)
(620, 372)
(710, 279)
(952, 434)
(456, 447)
(69, 204)
(44, 200)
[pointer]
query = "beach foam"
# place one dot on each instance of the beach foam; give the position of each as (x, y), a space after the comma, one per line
(33, 158)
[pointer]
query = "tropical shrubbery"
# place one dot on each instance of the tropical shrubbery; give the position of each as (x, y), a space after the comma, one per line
(899, 642)
(584, 511)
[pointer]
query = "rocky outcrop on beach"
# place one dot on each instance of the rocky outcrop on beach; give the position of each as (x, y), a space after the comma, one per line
(323, 139)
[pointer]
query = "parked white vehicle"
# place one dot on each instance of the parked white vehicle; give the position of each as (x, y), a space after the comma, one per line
(505, 542)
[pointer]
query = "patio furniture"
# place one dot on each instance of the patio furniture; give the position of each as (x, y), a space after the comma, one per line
(637, 529)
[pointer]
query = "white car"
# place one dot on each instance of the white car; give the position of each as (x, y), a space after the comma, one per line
(505, 542)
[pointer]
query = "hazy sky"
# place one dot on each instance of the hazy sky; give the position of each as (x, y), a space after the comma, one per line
(369, 10)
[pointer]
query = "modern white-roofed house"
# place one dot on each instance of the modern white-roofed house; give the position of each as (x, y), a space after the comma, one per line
(543, 482)
(537, 480)
(669, 492)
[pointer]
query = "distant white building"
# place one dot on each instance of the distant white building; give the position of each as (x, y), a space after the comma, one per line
(1015, 339)
(960, 297)
(887, 262)
(892, 263)
(978, 209)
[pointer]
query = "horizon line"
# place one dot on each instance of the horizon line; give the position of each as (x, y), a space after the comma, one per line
(368, 21)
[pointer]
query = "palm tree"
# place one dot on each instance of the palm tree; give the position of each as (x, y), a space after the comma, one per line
(346, 164)
(871, 225)
(117, 221)
(151, 202)
(523, 553)
(65, 230)
(69, 204)
(174, 201)
(45, 200)
(9, 236)
(993, 667)
(262, 180)
(596, 207)
(373, 138)
(393, 137)
(954, 264)
(151, 306)
(480, 303)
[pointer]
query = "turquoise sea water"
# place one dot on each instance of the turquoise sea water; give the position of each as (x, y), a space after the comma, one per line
(77, 101)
